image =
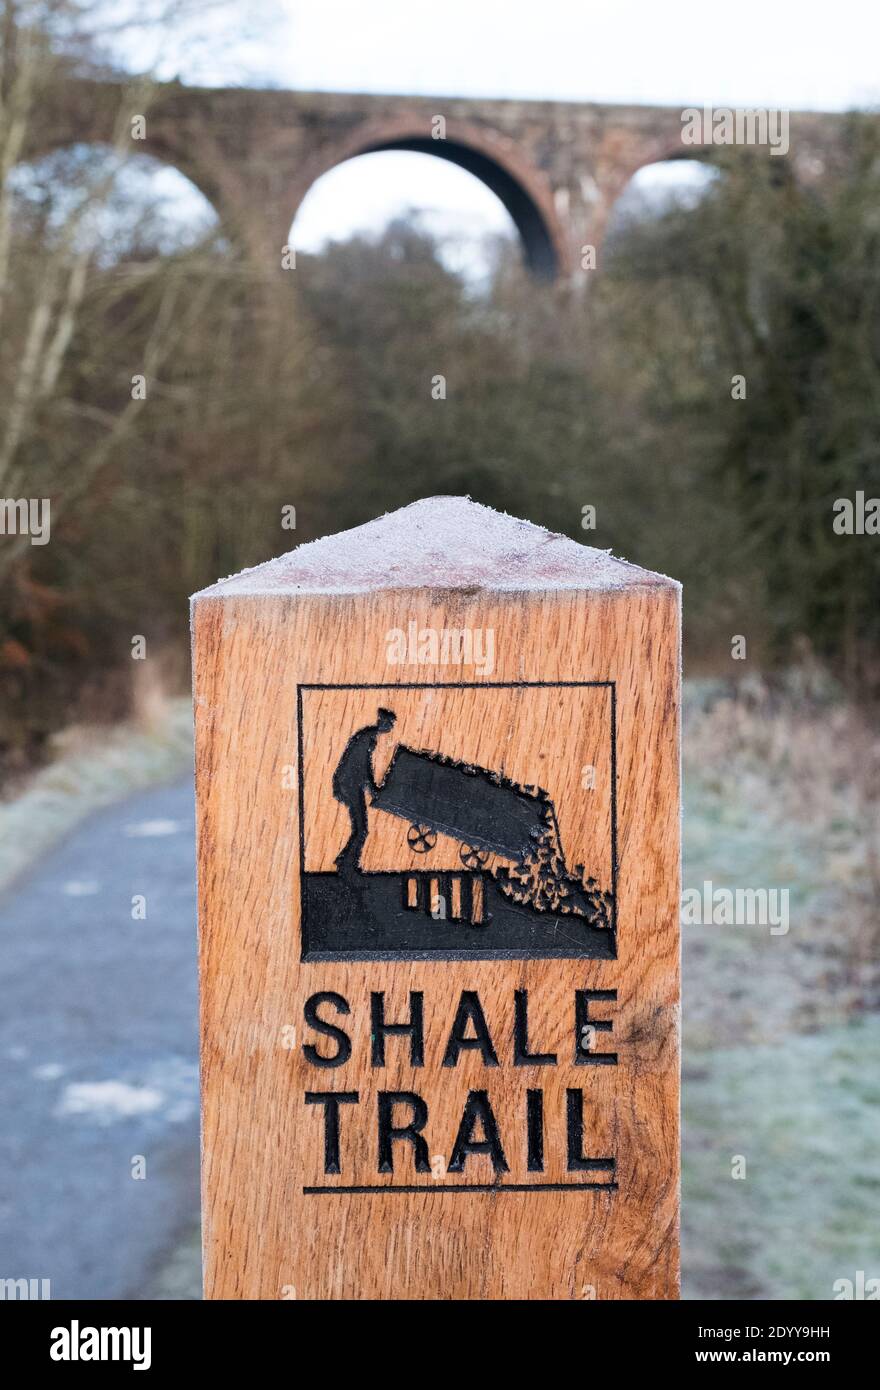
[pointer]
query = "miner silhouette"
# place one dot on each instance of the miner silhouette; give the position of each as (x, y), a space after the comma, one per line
(352, 780)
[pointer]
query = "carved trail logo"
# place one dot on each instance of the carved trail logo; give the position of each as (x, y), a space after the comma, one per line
(430, 848)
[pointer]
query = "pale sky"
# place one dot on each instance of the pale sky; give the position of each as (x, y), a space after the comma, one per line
(792, 53)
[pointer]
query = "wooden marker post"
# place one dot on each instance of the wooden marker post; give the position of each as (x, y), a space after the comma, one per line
(437, 765)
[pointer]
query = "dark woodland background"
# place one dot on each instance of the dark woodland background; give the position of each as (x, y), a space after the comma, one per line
(311, 388)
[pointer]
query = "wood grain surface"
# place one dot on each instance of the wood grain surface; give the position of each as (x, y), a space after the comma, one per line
(266, 1234)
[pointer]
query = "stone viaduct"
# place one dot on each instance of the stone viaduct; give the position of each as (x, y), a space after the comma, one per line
(558, 167)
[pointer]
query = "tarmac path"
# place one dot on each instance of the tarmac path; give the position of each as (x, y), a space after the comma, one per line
(98, 1052)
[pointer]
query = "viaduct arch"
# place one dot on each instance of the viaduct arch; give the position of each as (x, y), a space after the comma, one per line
(558, 167)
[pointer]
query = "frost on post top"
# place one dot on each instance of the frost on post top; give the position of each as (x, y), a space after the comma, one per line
(439, 542)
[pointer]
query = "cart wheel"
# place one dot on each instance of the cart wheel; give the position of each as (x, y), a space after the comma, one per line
(472, 857)
(421, 838)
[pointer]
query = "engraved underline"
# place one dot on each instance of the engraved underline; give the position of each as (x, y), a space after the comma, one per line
(470, 1187)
